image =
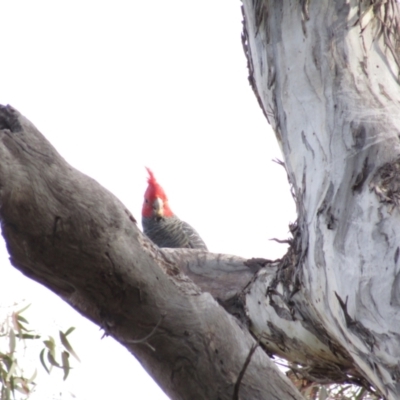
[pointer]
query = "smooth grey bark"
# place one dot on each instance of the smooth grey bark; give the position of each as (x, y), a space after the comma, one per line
(65, 231)
(326, 75)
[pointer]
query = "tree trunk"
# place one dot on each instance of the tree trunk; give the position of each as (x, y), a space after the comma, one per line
(326, 76)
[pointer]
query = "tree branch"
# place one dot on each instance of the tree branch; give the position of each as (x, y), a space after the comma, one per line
(65, 231)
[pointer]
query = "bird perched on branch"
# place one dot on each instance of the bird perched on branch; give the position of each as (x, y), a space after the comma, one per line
(161, 225)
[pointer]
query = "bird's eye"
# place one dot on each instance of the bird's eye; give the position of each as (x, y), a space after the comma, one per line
(146, 201)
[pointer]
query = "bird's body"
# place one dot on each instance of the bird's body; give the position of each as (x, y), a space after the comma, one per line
(172, 232)
(163, 227)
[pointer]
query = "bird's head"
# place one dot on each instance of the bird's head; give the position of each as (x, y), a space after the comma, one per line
(155, 200)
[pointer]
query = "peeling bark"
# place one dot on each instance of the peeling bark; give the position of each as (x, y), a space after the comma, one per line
(327, 75)
(64, 230)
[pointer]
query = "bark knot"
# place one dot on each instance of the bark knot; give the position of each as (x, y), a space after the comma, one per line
(9, 119)
(386, 184)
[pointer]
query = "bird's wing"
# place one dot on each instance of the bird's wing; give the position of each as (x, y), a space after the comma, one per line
(194, 239)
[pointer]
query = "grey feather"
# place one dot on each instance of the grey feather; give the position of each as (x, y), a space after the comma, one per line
(172, 232)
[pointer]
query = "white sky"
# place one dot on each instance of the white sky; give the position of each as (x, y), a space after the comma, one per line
(116, 86)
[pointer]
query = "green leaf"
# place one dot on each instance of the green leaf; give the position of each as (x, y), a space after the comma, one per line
(3, 374)
(7, 361)
(12, 341)
(11, 370)
(12, 384)
(51, 345)
(23, 309)
(33, 377)
(25, 387)
(29, 336)
(52, 360)
(22, 388)
(70, 330)
(20, 318)
(17, 322)
(65, 364)
(67, 345)
(42, 361)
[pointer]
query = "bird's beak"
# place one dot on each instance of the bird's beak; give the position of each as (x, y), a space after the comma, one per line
(158, 207)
